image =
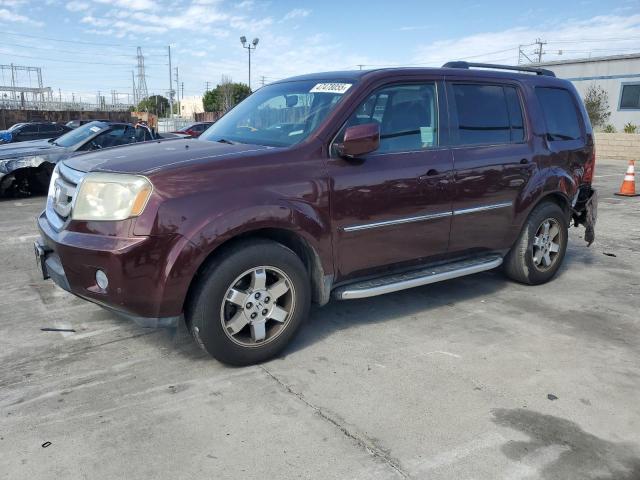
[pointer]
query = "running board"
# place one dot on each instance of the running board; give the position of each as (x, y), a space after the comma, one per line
(416, 278)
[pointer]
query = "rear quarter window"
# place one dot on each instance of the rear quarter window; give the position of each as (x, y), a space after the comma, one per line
(560, 113)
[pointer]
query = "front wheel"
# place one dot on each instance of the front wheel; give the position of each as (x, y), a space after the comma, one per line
(538, 253)
(250, 302)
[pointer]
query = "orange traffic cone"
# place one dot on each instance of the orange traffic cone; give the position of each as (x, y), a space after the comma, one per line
(628, 187)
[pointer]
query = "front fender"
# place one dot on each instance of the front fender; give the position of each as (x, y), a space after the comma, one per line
(298, 217)
(199, 243)
(10, 165)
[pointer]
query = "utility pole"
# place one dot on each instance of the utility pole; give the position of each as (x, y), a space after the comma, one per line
(262, 81)
(133, 83)
(539, 50)
(182, 96)
(170, 84)
(177, 85)
(207, 86)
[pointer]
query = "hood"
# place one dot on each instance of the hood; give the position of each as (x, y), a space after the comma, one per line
(34, 147)
(149, 157)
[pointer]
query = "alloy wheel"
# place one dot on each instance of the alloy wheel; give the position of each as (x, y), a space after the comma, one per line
(257, 306)
(546, 244)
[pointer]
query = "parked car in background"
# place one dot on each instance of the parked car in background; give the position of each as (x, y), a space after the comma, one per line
(342, 184)
(25, 167)
(24, 132)
(195, 129)
(78, 123)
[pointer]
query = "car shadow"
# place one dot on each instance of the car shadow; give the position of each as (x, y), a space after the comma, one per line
(340, 315)
(336, 316)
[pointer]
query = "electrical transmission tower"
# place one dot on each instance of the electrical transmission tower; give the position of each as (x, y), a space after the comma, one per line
(141, 93)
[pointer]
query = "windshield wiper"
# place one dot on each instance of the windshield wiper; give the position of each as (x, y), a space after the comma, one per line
(224, 140)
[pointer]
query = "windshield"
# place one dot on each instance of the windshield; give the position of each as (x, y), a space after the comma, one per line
(79, 134)
(278, 115)
(16, 126)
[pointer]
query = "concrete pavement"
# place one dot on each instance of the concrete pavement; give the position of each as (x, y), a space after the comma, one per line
(475, 378)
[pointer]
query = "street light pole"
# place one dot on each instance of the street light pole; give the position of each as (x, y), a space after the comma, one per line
(249, 47)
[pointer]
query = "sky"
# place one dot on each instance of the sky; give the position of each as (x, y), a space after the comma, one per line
(86, 46)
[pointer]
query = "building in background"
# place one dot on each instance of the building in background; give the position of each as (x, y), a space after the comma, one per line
(189, 106)
(618, 75)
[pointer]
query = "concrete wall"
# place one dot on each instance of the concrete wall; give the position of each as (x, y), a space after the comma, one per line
(608, 73)
(10, 117)
(619, 146)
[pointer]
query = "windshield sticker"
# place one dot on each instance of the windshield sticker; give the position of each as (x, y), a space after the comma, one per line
(339, 88)
(94, 129)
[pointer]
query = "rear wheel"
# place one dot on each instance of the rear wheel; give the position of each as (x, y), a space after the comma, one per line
(249, 303)
(538, 253)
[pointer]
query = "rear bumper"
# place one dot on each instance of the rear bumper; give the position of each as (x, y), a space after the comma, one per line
(585, 212)
(135, 268)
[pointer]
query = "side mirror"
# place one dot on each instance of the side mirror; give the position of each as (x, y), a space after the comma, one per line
(360, 140)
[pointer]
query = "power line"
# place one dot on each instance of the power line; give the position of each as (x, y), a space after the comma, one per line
(60, 60)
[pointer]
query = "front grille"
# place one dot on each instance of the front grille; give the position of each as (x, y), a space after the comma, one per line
(62, 192)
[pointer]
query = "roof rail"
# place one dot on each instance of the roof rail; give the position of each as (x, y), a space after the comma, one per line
(467, 65)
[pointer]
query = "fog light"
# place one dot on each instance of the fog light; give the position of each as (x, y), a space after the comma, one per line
(102, 280)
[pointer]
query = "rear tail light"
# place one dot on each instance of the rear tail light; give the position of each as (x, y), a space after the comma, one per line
(589, 167)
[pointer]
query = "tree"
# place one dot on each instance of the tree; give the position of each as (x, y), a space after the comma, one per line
(596, 101)
(225, 96)
(156, 104)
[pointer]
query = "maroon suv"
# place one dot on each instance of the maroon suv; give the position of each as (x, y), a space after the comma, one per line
(343, 185)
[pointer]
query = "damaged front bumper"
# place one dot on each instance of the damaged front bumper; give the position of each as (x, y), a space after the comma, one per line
(585, 212)
(51, 266)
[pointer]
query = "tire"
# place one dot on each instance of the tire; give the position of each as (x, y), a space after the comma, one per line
(526, 262)
(224, 328)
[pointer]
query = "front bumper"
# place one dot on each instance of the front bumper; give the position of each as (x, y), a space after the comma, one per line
(134, 267)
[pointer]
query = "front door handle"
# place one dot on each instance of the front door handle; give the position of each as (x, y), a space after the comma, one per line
(431, 173)
(524, 161)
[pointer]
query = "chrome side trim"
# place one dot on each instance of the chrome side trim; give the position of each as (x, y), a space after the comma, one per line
(346, 294)
(464, 211)
(423, 218)
(399, 221)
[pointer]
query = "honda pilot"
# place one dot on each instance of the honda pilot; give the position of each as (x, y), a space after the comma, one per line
(340, 185)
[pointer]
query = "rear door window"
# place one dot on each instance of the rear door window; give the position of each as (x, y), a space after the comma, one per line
(560, 113)
(487, 114)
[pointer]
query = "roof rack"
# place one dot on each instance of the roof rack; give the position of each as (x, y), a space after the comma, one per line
(467, 65)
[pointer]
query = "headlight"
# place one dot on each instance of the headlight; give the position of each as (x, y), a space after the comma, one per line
(111, 196)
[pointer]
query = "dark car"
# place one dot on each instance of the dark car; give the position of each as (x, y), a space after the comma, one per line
(25, 167)
(343, 185)
(77, 123)
(24, 132)
(195, 129)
